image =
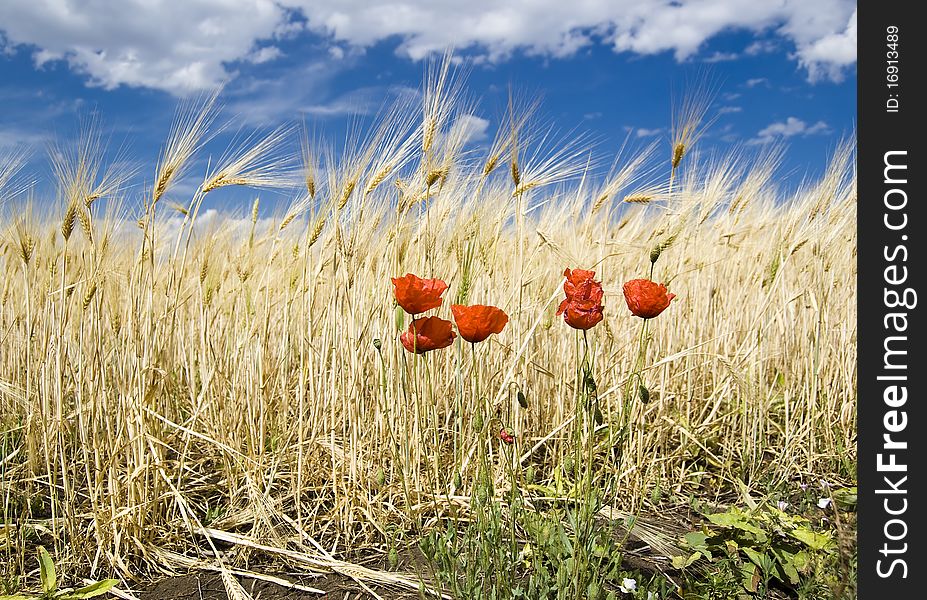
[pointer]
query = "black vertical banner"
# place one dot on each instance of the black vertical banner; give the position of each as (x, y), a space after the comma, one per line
(891, 416)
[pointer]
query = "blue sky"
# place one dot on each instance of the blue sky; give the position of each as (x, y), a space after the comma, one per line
(782, 73)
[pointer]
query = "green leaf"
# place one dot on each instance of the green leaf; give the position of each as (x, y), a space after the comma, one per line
(695, 556)
(94, 589)
(724, 519)
(751, 528)
(814, 540)
(787, 565)
(750, 576)
(695, 539)
(681, 562)
(760, 559)
(16, 597)
(845, 497)
(47, 571)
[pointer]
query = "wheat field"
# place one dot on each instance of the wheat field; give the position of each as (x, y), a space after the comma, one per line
(170, 381)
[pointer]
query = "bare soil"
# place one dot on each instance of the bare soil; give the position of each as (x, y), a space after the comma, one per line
(209, 586)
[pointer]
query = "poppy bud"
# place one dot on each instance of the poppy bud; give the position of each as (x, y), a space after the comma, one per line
(656, 494)
(393, 558)
(377, 344)
(568, 464)
(644, 393)
(655, 253)
(381, 477)
(506, 437)
(589, 381)
(522, 400)
(427, 547)
(482, 493)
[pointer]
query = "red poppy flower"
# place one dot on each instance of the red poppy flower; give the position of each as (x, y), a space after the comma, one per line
(416, 295)
(582, 308)
(575, 278)
(428, 333)
(506, 437)
(580, 316)
(476, 323)
(645, 298)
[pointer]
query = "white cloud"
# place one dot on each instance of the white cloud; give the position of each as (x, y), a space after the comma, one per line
(721, 57)
(471, 128)
(757, 81)
(16, 138)
(827, 56)
(761, 47)
(792, 126)
(180, 47)
(642, 132)
(187, 46)
(726, 110)
(265, 54)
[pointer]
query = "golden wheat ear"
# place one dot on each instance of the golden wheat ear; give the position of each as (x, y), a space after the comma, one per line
(689, 121)
(190, 130)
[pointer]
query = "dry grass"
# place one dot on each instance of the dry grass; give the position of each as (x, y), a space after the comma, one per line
(149, 396)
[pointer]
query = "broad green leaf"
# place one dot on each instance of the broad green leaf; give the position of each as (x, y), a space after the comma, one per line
(725, 519)
(681, 562)
(845, 497)
(815, 541)
(47, 571)
(751, 528)
(801, 561)
(695, 539)
(790, 571)
(94, 589)
(760, 559)
(750, 575)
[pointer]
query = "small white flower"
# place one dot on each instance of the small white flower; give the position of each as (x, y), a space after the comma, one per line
(803, 486)
(628, 585)
(823, 503)
(782, 504)
(825, 484)
(652, 596)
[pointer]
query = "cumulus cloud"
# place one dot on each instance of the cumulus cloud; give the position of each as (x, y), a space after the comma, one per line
(827, 56)
(180, 47)
(792, 126)
(265, 54)
(470, 128)
(186, 46)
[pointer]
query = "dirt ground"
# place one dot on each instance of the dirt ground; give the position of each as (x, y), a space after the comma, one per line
(208, 586)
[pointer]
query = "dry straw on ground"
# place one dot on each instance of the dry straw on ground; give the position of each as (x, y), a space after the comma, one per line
(162, 386)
